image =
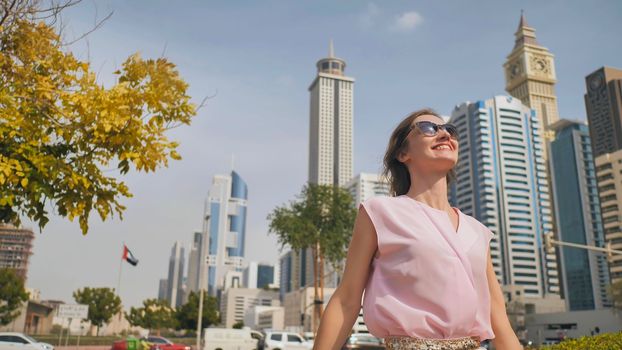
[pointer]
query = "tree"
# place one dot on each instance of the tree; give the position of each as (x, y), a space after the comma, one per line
(321, 219)
(154, 314)
(238, 325)
(103, 304)
(187, 314)
(63, 135)
(12, 295)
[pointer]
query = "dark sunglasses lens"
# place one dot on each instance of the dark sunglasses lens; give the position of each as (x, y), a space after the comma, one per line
(452, 130)
(427, 128)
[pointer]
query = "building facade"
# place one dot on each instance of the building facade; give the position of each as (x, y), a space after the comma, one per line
(331, 123)
(603, 103)
(367, 185)
(15, 249)
(501, 181)
(585, 274)
(609, 179)
(235, 302)
(175, 279)
(194, 256)
(224, 229)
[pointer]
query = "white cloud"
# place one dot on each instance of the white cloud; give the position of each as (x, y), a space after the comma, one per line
(407, 21)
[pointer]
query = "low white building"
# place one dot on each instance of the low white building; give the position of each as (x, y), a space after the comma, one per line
(236, 301)
(265, 317)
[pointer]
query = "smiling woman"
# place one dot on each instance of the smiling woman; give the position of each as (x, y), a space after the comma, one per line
(424, 266)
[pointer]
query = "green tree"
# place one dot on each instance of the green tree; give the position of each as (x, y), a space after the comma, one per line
(153, 315)
(187, 314)
(321, 219)
(103, 304)
(238, 325)
(12, 295)
(65, 139)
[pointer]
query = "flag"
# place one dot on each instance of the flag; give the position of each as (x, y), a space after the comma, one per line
(128, 256)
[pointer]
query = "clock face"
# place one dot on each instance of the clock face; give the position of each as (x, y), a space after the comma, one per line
(540, 65)
(596, 81)
(514, 70)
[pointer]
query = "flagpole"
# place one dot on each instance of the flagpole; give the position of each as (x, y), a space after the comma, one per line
(120, 269)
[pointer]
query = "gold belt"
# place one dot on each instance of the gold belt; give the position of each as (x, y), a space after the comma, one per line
(411, 343)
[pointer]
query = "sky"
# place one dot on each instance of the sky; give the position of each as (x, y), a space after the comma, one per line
(255, 61)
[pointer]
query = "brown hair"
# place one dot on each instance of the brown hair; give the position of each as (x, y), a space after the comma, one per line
(396, 172)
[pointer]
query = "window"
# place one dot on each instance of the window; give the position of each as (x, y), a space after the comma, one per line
(276, 337)
(292, 338)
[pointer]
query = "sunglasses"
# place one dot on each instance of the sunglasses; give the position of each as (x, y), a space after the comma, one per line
(428, 128)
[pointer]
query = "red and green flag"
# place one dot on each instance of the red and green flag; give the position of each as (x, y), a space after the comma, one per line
(128, 256)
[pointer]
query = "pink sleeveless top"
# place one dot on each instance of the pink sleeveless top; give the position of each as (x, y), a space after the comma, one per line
(426, 279)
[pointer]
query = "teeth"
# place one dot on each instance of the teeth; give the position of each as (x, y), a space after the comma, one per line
(442, 147)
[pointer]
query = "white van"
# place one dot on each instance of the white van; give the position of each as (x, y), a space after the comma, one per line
(228, 339)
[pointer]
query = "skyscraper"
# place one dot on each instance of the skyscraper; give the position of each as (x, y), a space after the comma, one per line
(225, 225)
(501, 181)
(585, 274)
(330, 129)
(175, 293)
(530, 75)
(603, 102)
(194, 257)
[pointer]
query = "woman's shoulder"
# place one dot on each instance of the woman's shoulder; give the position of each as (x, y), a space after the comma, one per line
(478, 225)
(375, 201)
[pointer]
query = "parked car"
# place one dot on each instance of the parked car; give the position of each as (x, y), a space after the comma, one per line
(286, 341)
(363, 341)
(309, 337)
(20, 341)
(149, 342)
(229, 339)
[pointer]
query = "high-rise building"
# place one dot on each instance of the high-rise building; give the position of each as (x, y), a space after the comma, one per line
(501, 181)
(609, 179)
(585, 274)
(194, 261)
(175, 293)
(225, 229)
(530, 75)
(603, 102)
(163, 289)
(330, 131)
(366, 185)
(15, 248)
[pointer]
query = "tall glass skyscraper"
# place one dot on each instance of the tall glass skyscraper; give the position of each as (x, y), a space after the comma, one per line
(501, 181)
(585, 274)
(225, 225)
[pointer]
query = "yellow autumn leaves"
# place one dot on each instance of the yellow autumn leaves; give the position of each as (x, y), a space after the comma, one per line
(59, 128)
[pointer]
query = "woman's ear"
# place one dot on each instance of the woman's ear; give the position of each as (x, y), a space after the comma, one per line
(402, 156)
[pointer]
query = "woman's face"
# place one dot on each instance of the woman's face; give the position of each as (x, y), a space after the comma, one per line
(437, 153)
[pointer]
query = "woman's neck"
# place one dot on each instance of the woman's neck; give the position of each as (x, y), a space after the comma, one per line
(429, 188)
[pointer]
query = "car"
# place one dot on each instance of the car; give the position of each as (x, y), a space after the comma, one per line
(20, 341)
(363, 341)
(149, 342)
(229, 339)
(286, 341)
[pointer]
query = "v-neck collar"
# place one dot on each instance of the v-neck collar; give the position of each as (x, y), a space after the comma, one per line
(455, 209)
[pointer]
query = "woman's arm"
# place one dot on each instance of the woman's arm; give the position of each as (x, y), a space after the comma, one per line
(505, 338)
(345, 304)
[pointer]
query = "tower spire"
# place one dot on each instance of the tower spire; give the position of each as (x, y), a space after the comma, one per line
(523, 21)
(331, 49)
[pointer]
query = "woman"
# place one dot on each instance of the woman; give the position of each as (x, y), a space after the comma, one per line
(425, 267)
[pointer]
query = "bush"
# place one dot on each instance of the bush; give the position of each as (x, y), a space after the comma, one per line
(605, 341)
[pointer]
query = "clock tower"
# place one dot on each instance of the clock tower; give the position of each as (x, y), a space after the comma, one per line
(530, 76)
